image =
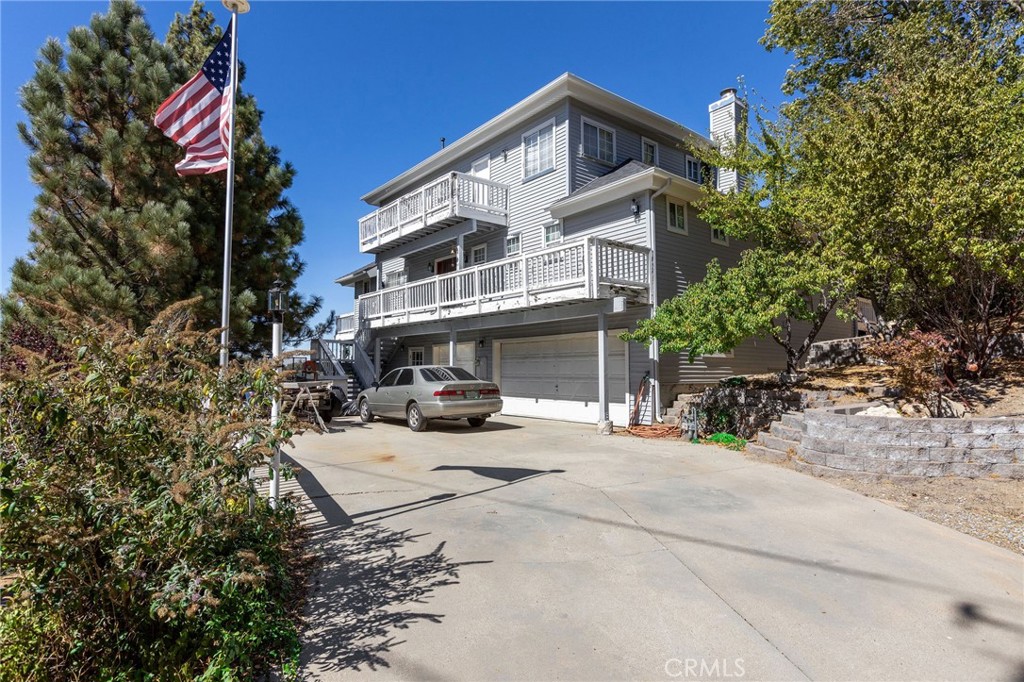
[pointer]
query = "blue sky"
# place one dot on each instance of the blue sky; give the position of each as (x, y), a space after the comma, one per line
(355, 93)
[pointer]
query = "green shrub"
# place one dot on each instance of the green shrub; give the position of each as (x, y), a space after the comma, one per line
(125, 520)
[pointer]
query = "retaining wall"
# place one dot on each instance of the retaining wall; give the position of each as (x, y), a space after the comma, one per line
(838, 439)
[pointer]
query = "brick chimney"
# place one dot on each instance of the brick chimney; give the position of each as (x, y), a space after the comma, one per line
(728, 121)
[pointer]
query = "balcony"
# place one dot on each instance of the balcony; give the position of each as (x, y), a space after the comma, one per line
(345, 327)
(588, 269)
(438, 204)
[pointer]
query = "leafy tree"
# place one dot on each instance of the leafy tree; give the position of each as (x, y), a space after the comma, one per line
(115, 232)
(786, 285)
(912, 117)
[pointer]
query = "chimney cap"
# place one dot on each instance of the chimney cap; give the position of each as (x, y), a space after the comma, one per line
(728, 91)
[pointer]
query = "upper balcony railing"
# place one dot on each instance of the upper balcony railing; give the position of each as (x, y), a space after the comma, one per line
(454, 196)
(590, 268)
(345, 326)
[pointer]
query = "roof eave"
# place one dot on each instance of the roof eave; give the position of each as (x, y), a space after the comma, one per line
(651, 179)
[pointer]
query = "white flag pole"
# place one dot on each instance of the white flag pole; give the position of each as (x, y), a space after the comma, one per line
(237, 7)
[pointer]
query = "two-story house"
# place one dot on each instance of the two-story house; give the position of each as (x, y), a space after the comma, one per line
(522, 250)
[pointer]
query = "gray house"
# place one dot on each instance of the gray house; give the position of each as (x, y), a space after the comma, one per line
(522, 250)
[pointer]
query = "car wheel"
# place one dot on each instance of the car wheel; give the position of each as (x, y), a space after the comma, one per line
(414, 417)
(476, 421)
(365, 413)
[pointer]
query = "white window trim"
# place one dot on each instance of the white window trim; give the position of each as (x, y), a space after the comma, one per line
(443, 258)
(544, 235)
(480, 248)
(668, 216)
(646, 141)
(519, 245)
(417, 349)
(554, 160)
(599, 126)
(695, 160)
(716, 240)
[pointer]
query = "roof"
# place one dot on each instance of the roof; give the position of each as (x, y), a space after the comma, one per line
(566, 85)
(620, 172)
(367, 271)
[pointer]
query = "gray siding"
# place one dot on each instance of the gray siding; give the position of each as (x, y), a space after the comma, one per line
(612, 221)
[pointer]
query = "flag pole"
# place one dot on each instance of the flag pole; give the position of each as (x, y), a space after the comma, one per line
(236, 7)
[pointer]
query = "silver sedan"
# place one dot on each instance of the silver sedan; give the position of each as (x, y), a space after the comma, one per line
(425, 392)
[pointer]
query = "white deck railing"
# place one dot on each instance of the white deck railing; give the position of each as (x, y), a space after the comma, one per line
(580, 270)
(453, 195)
(345, 324)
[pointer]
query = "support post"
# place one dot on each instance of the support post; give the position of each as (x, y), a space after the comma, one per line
(451, 346)
(604, 425)
(275, 412)
(376, 359)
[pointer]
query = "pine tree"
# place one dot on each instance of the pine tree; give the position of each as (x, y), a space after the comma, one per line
(116, 232)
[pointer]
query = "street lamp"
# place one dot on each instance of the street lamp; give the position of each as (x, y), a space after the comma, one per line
(277, 306)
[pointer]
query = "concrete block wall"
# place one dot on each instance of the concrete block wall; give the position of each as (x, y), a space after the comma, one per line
(838, 439)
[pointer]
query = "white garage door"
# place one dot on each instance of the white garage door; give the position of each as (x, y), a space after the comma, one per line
(555, 377)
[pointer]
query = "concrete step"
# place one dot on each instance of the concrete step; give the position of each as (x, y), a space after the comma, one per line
(767, 453)
(776, 443)
(794, 420)
(670, 419)
(778, 430)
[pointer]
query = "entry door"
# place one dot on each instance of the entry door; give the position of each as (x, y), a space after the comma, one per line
(481, 168)
(443, 266)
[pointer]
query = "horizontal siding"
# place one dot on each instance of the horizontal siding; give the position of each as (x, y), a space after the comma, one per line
(612, 221)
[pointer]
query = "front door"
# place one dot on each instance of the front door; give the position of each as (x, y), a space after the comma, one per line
(442, 266)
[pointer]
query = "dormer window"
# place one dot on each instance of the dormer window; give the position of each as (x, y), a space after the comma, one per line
(598, 141)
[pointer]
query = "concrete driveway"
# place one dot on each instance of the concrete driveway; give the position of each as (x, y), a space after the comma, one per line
(534, 550)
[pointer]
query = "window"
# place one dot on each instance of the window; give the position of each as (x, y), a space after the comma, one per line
(649, 151)
(719, 236)
(404, 377)
(396, 278)
(539, 150)
(677, 217)
(692, 169)
(390, 378)
(598, 142)
(709, 174)
(478, 255)
(513, 245)
(416, 356)
(552, 233)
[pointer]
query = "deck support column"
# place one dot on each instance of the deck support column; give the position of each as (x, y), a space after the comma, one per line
(604, 425)
(376, 359)
(451, 346)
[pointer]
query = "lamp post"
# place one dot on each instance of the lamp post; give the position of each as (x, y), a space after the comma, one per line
(277, 306)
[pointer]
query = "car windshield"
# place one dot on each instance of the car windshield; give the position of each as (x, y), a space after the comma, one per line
(443, 374)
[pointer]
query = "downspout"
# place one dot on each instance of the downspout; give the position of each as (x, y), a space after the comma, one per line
(655, 352)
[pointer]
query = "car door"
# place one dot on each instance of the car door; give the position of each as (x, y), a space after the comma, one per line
(401, 392)
(381, 400)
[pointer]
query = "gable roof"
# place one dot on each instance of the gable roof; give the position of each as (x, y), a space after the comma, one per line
(620, 172)
(566, 85)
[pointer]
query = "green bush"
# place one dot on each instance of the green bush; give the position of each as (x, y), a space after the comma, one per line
(125, 521)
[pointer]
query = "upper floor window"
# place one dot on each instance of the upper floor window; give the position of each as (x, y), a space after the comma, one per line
(649, 151)
(598, 141)
(539, 150)
(395, 279)
(719, 236)
(478, 255)
(693, 169)
(677, 217)
(513, 245)
(552, 233)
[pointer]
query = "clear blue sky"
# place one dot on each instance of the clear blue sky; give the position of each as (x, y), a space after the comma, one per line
(355, 93)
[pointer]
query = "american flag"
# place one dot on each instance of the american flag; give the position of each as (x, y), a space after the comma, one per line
(198, 115)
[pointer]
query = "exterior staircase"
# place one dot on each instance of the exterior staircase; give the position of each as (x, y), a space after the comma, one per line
(781, 441)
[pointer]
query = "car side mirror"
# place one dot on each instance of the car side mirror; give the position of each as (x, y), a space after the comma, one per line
(375, 385)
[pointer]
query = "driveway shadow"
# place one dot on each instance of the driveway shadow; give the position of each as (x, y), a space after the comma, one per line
(368, 588)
